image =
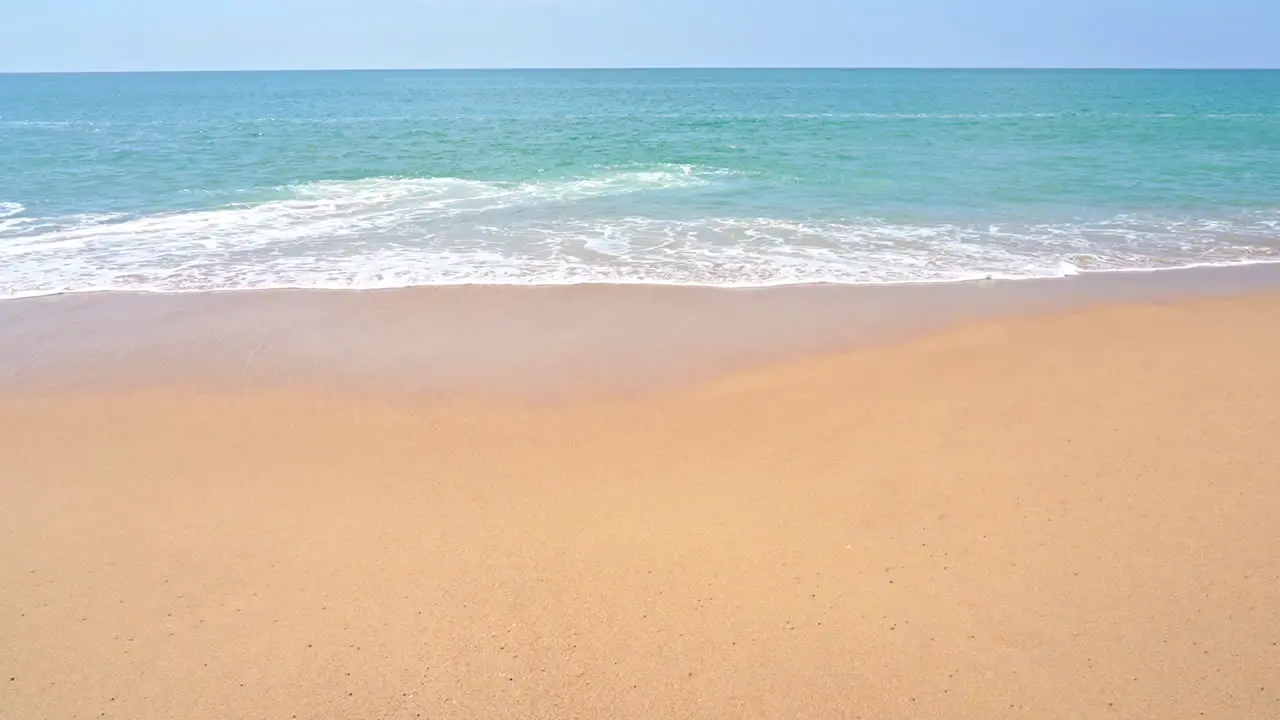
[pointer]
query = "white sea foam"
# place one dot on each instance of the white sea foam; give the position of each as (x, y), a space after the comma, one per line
(8, 216)
(401, 232)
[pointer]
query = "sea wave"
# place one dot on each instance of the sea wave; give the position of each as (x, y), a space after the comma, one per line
(387, 209)
(9, 212)
(396, 232)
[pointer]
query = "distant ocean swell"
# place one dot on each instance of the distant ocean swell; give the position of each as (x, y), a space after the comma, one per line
(713, 117)
(398, 232)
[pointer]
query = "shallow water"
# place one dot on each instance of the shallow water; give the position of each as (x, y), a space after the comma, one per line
(730, 177)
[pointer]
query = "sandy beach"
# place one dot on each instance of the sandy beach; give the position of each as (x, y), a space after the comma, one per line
(1064, 511)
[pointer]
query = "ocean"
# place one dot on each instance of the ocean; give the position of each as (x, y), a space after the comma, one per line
(223, 181)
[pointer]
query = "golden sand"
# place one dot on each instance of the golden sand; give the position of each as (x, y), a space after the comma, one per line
(1064, 516)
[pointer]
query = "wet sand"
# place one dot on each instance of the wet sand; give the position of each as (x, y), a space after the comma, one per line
(517, 343)
(1043, 512)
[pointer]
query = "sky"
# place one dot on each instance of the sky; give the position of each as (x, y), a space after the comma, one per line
(84, 35)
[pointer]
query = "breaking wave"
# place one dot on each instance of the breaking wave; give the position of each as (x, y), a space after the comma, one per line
(396, 232)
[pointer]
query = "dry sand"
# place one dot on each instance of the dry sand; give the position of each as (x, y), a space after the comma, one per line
(1071, 515)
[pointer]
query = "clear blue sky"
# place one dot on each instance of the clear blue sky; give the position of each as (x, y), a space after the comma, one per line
(68, 35)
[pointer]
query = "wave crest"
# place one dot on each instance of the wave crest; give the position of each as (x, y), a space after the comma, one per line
(394, 232)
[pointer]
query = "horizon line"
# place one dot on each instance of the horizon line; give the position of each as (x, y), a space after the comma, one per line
(996, 68)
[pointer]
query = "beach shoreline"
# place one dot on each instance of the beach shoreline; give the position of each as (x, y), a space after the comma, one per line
(527, 342)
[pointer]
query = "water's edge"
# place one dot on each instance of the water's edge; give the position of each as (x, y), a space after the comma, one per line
(513, 341)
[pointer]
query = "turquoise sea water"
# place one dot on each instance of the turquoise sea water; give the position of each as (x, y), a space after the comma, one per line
(720, 177)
